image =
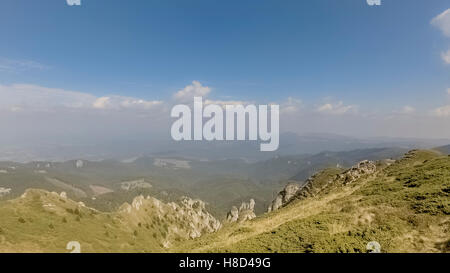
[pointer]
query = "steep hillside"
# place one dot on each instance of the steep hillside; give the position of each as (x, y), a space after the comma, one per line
(405, 206)
(41, 221)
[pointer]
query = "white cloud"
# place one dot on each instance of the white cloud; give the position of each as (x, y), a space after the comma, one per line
(446, 56)
(187, 94)
(291, 105)
(443, 111)
(442, 21)
(119, 102)
(102, 103)
(22, 97)
(407, 110)
(337, 108)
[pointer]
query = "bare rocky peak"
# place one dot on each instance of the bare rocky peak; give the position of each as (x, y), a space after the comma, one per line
(245, 212)
(311, 187)
(189, 213)
(201, 219)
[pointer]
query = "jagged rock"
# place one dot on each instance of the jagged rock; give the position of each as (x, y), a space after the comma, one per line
(284, 196)
(244, 213)
(201, 220)
(63, 194)
(137, 202)
(311, 188)
(233, 215)
(362, 168)
(186, 218)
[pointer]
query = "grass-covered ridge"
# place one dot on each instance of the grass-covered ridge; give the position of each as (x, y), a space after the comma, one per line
(404, 206)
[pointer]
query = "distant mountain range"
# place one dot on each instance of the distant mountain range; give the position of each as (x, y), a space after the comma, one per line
(164, 146)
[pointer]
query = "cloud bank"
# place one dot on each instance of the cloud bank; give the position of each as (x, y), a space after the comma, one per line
(28, 97)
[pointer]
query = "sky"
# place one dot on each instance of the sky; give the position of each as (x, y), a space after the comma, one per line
(115, 67)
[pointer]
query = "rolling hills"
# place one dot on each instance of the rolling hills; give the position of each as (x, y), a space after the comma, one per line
(404, 205)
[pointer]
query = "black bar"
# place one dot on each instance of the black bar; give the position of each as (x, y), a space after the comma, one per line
(226, 262)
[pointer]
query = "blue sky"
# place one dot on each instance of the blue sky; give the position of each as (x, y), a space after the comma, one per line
(337, 56)
(246, 49)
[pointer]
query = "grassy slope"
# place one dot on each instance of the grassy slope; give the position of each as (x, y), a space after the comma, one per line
(44, 222)
(405, 207)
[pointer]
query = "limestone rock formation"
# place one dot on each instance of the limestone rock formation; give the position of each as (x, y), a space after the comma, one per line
(186, 218)
(362, 168)
(233, 214)
(284, 196)
(245, 212)
(200, 219)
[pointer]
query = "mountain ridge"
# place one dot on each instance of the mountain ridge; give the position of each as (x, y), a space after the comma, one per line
(403, 204)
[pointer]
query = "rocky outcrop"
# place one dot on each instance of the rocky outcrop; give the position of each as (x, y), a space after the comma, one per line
(245, 212)
(362, 168)
(284, 196)
(320, 181)
(201, 220)
(186, 218)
